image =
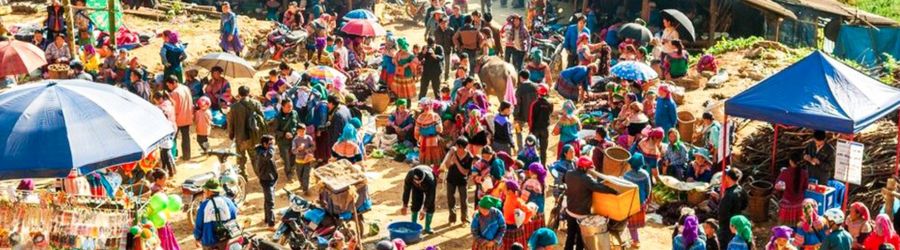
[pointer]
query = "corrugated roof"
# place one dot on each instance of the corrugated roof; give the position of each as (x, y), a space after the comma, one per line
(838, 8)
(773, 7)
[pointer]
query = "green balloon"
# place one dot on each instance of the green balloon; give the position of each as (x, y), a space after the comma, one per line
(158, 202)
(158, 220)
(135, 230)
(175, 204)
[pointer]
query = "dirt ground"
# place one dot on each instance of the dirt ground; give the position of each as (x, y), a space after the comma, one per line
(385, 176)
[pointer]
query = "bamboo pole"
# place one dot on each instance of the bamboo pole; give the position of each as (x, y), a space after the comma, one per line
(713, 17)
(111, 8)
(70, 22)
(888, 193)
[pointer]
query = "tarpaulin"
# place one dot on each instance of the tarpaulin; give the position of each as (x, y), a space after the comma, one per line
(866, 45)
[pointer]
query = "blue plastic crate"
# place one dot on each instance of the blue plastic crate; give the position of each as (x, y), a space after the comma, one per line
(825, 200)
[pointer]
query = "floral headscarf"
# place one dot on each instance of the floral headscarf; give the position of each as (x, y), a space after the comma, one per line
(884, 227)
(810, 217)
(690, 231)
(861, 210)
(569, 107)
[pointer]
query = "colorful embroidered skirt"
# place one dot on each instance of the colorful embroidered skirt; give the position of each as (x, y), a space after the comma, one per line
(404, 87)
(431, 155)
(515, 235)
(639, 219)
(789, 214)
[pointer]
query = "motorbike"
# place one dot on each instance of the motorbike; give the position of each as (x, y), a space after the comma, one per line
(300, 233)
(229, 175)
(549, 39)
(557, 214)
(282, 42)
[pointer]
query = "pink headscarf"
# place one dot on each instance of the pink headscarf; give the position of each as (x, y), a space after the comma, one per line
(171, 36)
(861, 209)
(810, 216)
(884, 227)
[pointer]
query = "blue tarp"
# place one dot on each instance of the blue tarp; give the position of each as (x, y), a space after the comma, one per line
(818, 92)
(865, 45)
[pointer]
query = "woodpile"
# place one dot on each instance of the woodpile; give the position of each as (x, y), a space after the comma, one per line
(880, 142)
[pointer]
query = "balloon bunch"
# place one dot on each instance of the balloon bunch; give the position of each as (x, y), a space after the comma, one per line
(159, 207)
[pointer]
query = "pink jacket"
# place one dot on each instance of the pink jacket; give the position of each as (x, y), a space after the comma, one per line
(184, 105)
(203, 122)
(168, 110)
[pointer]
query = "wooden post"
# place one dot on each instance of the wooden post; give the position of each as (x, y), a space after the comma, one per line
(70, 22)
(713, 17)
(888, 193)
(111, 8)
(645, 10)
(778, 21)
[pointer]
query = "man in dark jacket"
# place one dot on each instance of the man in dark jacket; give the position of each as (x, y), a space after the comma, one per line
(338, 116)
(421, 185)
(458, 163)
(238, 118)
(580, 187)
(468, 40)
(432, 58)
(526, 94)
(539, 119)
(285, 128)
(733, 203)
(443, 36)
(265, 169)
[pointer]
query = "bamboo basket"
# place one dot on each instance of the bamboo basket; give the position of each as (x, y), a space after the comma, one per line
(615, 160)
(380, 102)
(686, 125)
(58, 71)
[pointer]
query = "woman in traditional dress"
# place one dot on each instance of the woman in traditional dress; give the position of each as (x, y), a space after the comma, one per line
(651, 149)
(218, 90)
(404, 82)
(529, 154)
(859, 224)
(701, 168)
(533, 191)
(666, 113)
(675, 160)
(488, 226)
(811, 229)
(347, 146)
(401, 121)
(567, 128)
(475, 132)
(538, 70)
(689, 238)
(230, 34)
(172, 54)
(792, 182)
(516, 214)
(781, 239)
(428, 133)
(743, 234)
(883, 234)
(641, 177)
(487, 172)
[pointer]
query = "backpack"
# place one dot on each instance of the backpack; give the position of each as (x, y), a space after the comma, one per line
(256, 124)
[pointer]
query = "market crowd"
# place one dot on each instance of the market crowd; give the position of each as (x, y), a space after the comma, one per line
(463, 140)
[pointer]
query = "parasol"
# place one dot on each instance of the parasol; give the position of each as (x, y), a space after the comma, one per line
(327, 74)
(685, 26)
(20, 58)
(633, 70)
(360, 14)
(233, 65)
(635, 31)
(51, 127)
(362, 27)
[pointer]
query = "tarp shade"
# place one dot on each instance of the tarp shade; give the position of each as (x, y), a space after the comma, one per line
(818, 92)
(866, 45)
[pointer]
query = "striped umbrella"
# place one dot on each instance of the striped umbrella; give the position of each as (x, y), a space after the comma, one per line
(327, 74)
(233, 66)
(19, 58)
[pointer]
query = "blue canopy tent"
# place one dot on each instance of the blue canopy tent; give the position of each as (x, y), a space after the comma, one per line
(817, 92)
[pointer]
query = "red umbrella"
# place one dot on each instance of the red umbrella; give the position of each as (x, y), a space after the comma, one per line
(363, 27)
(20, 58)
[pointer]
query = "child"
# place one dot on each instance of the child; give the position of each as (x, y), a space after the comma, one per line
(195, 84)
(445, 94)
(503, 129)
(710, 227)
(416, 65)
(303, 147)
(203, 122)
(792, 181)
(165, 233)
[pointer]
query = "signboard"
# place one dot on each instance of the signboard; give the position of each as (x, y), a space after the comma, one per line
(725, 136)
(848, 161)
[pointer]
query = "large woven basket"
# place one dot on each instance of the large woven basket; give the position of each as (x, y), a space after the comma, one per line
(380, 102)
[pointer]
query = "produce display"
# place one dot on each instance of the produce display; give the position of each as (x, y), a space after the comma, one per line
(339, 175)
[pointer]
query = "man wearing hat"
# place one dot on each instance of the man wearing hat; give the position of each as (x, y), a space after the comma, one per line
(837, 238)
(539, 119)
(458, 164)
(488, 226)
(580, 186)
(213, 210)
(432, 14)
(421, 185)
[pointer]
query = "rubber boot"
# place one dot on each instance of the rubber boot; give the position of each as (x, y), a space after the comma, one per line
(415, 217)
(428, 218)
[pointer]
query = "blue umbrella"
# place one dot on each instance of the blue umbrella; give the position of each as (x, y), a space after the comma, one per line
(51, 127)
(633, 70)
(360, 14)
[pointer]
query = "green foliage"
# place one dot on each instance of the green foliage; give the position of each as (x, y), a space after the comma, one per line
(726, 45)
(890, 67)
(176, 10)
(886, 8)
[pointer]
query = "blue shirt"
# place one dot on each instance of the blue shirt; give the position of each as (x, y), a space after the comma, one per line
(229, 25)
(678, 244)
(571, 38)
(838, 239)
(577, 75)
(737, 243)
(204, 228)
(666, 113)
(491, 227)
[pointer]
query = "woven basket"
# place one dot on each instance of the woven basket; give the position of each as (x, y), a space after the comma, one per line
(380, 102)
(382, 120)
(686, 124)
(615, 160)
(58, 71)
(695, 197)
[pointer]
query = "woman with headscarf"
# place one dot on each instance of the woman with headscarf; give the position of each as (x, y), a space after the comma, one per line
(811, 229)
(781, 239)
(883, 234)
(689, 238)
(792, 182)
(488, 172)
(538, 70)
(675, 160)
(172, 54)
(651, 148)
(488, 225)
(428, 133)
(567, 128)
(91, 60)
(675, 62)
(529, 153)
(533, 192)
(401, 121)
(562, 166)
(542, 239)
(230, 34)
(666, 114)
(404, 81)
(743, 233)
(475, 131)
(640, 177)
(347, 146)
(859, 224)
(516, 214)
(701, 168)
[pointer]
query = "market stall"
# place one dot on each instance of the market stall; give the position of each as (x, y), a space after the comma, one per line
(91, 138)
(825, 94)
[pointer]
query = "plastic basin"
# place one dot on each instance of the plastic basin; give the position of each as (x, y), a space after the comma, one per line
(407, 231)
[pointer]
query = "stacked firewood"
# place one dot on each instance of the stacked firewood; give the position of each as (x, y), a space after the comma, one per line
(880, 142)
